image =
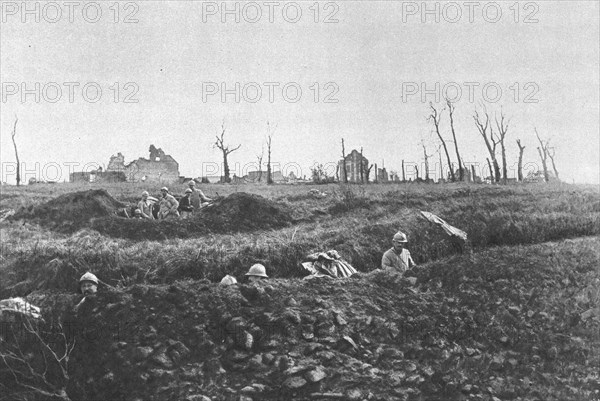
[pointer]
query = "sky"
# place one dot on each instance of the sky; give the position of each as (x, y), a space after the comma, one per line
(91, 79)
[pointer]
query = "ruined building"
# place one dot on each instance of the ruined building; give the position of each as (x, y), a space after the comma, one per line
(160, 167)
(354, 162)
(382, 174)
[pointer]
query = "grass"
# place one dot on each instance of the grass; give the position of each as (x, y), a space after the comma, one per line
(358, 221)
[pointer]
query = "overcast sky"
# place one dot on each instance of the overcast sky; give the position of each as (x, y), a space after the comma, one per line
(361, 75)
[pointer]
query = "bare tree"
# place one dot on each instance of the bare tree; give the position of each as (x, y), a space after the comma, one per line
(520, 165)
(362, 167)
(368, 172)
(439, 152)
(490, 142)
(403, 174)
(461, 172)
(344, 170)
(551, 153)
(38, 364)
(473, 175)
(14, 132)
(426, 160)
(319, 174)
(502, 126)
(543, 152)
(270, 133)
(259, 158)
(226, 151)
(435, 117)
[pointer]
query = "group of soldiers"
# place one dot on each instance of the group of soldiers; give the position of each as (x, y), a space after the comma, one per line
(169, 207)
(397, 258)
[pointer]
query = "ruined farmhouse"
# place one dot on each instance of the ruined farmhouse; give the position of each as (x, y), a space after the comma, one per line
(160, 167)
(357, 167)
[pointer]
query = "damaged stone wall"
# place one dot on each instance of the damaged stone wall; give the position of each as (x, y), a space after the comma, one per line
(160, 167)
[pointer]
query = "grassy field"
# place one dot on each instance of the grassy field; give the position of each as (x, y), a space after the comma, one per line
(358, 221)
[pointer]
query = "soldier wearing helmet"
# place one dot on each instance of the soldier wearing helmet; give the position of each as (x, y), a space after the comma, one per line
(256, 273)
(168, 205)
(185, 204)
(145, 206)
(88, 285)
(398, 257)
(228, 280)
(199, 200)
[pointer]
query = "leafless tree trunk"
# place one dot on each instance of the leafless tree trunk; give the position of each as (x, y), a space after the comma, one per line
(426, 161)
(403, 174)
(362, 167)
(14, 132)
(416, 172)
(435, 117)
(461, 172)
(490, 167)
(344, 170)
(490, 142)
(502, 126)
(259, 158)
(20, 361)
(226, 151)
(551, 156)
(368, 173)
(543, 152)
(441, 164)
(520, 165)
(270, 133)
(473, 176)
(376, 180)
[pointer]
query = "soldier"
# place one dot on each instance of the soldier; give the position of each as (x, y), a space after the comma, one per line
(257, 273)
(398, 257)
(199, 200)
(88, 286)
(185, 205)
(145, 206)
(228, 280)
(168, 205)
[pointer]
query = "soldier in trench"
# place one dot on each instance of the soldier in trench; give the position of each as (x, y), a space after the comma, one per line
(199, 200)
(168, 205)
(398, 258)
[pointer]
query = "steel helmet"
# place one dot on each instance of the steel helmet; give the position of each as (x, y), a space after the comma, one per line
(188, 191)
(257, 270)
(89, 277)
(228, 280)
(165, 189)
(191, 182)
(145, 193)
(400, 237)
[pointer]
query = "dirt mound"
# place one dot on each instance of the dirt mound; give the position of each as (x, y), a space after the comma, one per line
(72, 211)
(238, 212)
(243, 211)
